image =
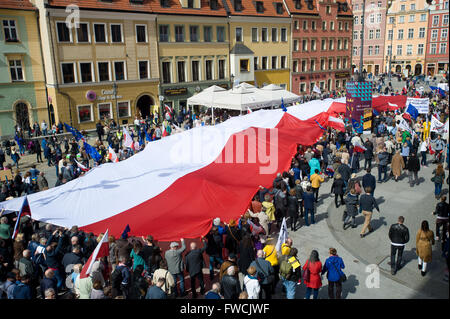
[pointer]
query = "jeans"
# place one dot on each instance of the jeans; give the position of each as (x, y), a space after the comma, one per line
(382, 169)
(316, 193)
(181, 277)
(437, 189)
(347, 220)
(396, 250)
(290, 288)
(331, 285)
(314, 291)
(311, 211)
(194, 278)
(212, 260)
(424, 158)
(267, 289)
(416, 178)
(336, 196)
(367, 161)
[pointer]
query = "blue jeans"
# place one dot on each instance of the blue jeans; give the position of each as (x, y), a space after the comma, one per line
(437, 189)
(175, 278)
(314, 291)
(382, 169)
(309, 210)
(212, 260)
(290, 288)
(424, 158)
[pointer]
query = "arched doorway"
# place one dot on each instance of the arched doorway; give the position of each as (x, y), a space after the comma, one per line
(22, 116)
(398, 69)
(408, 67)
(144, 104)
(418, 69)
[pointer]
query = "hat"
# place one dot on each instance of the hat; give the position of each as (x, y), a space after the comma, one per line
(216, 221)
(173, 244)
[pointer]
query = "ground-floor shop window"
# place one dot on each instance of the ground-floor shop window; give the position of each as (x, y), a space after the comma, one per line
(104, 111)
(84, 113)
(124, 108)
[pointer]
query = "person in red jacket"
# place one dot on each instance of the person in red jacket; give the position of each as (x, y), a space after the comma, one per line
(315, 281)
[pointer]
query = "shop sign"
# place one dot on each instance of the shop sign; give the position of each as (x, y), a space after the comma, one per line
(108, 95)
(176, 91)
(339, 75)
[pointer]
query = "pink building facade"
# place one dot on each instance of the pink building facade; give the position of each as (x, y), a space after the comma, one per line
(437, 52)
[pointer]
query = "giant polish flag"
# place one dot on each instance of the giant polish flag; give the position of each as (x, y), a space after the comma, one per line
(177, 185)
(100, 251)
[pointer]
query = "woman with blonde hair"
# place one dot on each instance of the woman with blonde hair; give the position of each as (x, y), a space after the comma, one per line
(424, 242)
(19, 246)
(438, 179)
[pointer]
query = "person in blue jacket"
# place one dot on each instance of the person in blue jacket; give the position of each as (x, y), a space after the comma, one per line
(23, 289)
(333, 267)
(308, 202)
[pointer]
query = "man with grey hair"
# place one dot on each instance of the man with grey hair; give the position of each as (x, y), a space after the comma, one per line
(194, 265)
(214, 293)
(230, 286)
(50, 293)
(26, 265)
(42, 181)
(49, 281)
(265, 272)
(175, 264)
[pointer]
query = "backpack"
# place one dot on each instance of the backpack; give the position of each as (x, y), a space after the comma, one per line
(285, 269)
(116, 277)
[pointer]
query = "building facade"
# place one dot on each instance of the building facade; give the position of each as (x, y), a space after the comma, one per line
(193, 48)
(321, 45)
(104, 67)
(259, 42)
(406, 37)
(438, 39)
(374, 19)
(22, 84)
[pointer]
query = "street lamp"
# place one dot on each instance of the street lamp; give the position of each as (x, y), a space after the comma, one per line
(115, 98)
(232, 81)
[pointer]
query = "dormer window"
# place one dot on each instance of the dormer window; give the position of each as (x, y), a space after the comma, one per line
(238, 5)
(135, 1)
(164, 3)
(259, 7)
(298, 4)
(310, 4)
(213, 4)
(279, 7)
(190, 4)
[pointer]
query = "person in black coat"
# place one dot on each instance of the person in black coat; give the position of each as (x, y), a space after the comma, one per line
(345, 172)
(54, 255)
(368, 154)
(72, 258)
(338, 189)
(194, 266)
(233, 237)
(351, 208)
(369, 180)
(49, 281)
(99, 129)
(230, 286)
(37, 149)
(413, 167)
(292, 208)
(214, 249)
(399, 236)
(246, 253)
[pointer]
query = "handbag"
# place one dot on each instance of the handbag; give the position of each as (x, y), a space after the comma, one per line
(172, 294)
(307, 273)
(343, 277)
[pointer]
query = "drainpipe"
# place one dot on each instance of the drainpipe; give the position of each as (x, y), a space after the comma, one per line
(43, 69)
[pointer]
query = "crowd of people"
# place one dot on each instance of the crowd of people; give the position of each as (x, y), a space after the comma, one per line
(45, 261)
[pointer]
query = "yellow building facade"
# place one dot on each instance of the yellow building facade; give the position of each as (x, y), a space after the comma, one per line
(104, 67)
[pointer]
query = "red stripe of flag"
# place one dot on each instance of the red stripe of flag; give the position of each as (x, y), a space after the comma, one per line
(100, 251)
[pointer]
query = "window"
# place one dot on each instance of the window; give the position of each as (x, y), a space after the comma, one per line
(141, 33)
(421, 33)
(283, 35)
(220, 34)
(356, 20)
(313, 25)
(179, 33)
(274, 62)
(296, 26)
(402, 7)
(435, 20)
(377, 49)
(279, 7)
(298, 4)
(103, 71)
(244, 65)
(399, 49)
(164, 3)
(207, 34)
(409, 49)
(68, 72)
(410, 33)
(238, 33)
(378, 17)
(338, 63)
(302, 87)
(304, 67)
(330, 64)
(323, 45)
(391, 20)
(64, 34)
(144, 70)
(389, 50)
(379, 4)
(15, 68)
(163, 33)
(84, 113)
(433, 48)
(346, 26)
(423, 17)
(305, 45)
(100, 33)
(446, 5)
(264, 63)
(259, 7)
(313, 45)
(322, 64)
(371, 34)
(371, 18)
(345, 44)
(116, 33)
(254, 34)
(283, 62)
(339, 44)
(295, 66)
(221, 69)
(181, 72)
(238, 5)
(400, 34)
(390, 34)
(324, 25)
(331, 45)
(434, 34)
(444, 34)
(166, 72)
(305, 24)
(190, 4)
(356, 7)
(104, 110)
(86, 72)
(264, 35)
(411, 18)
(312, 65)
(193, 33)
(360, 35)
(370, 52)
(213, 4)
(255, 63)
(355, 50)
(401, 19)
(124, 108)
(420, 49)
(274, 34)
(195, 66)
(355, 35)
(209, 70)
(442, 48)
(295, 45)
(119, 71)
(10, 31)
(377, 34)
(445, 18)
(83, 35)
